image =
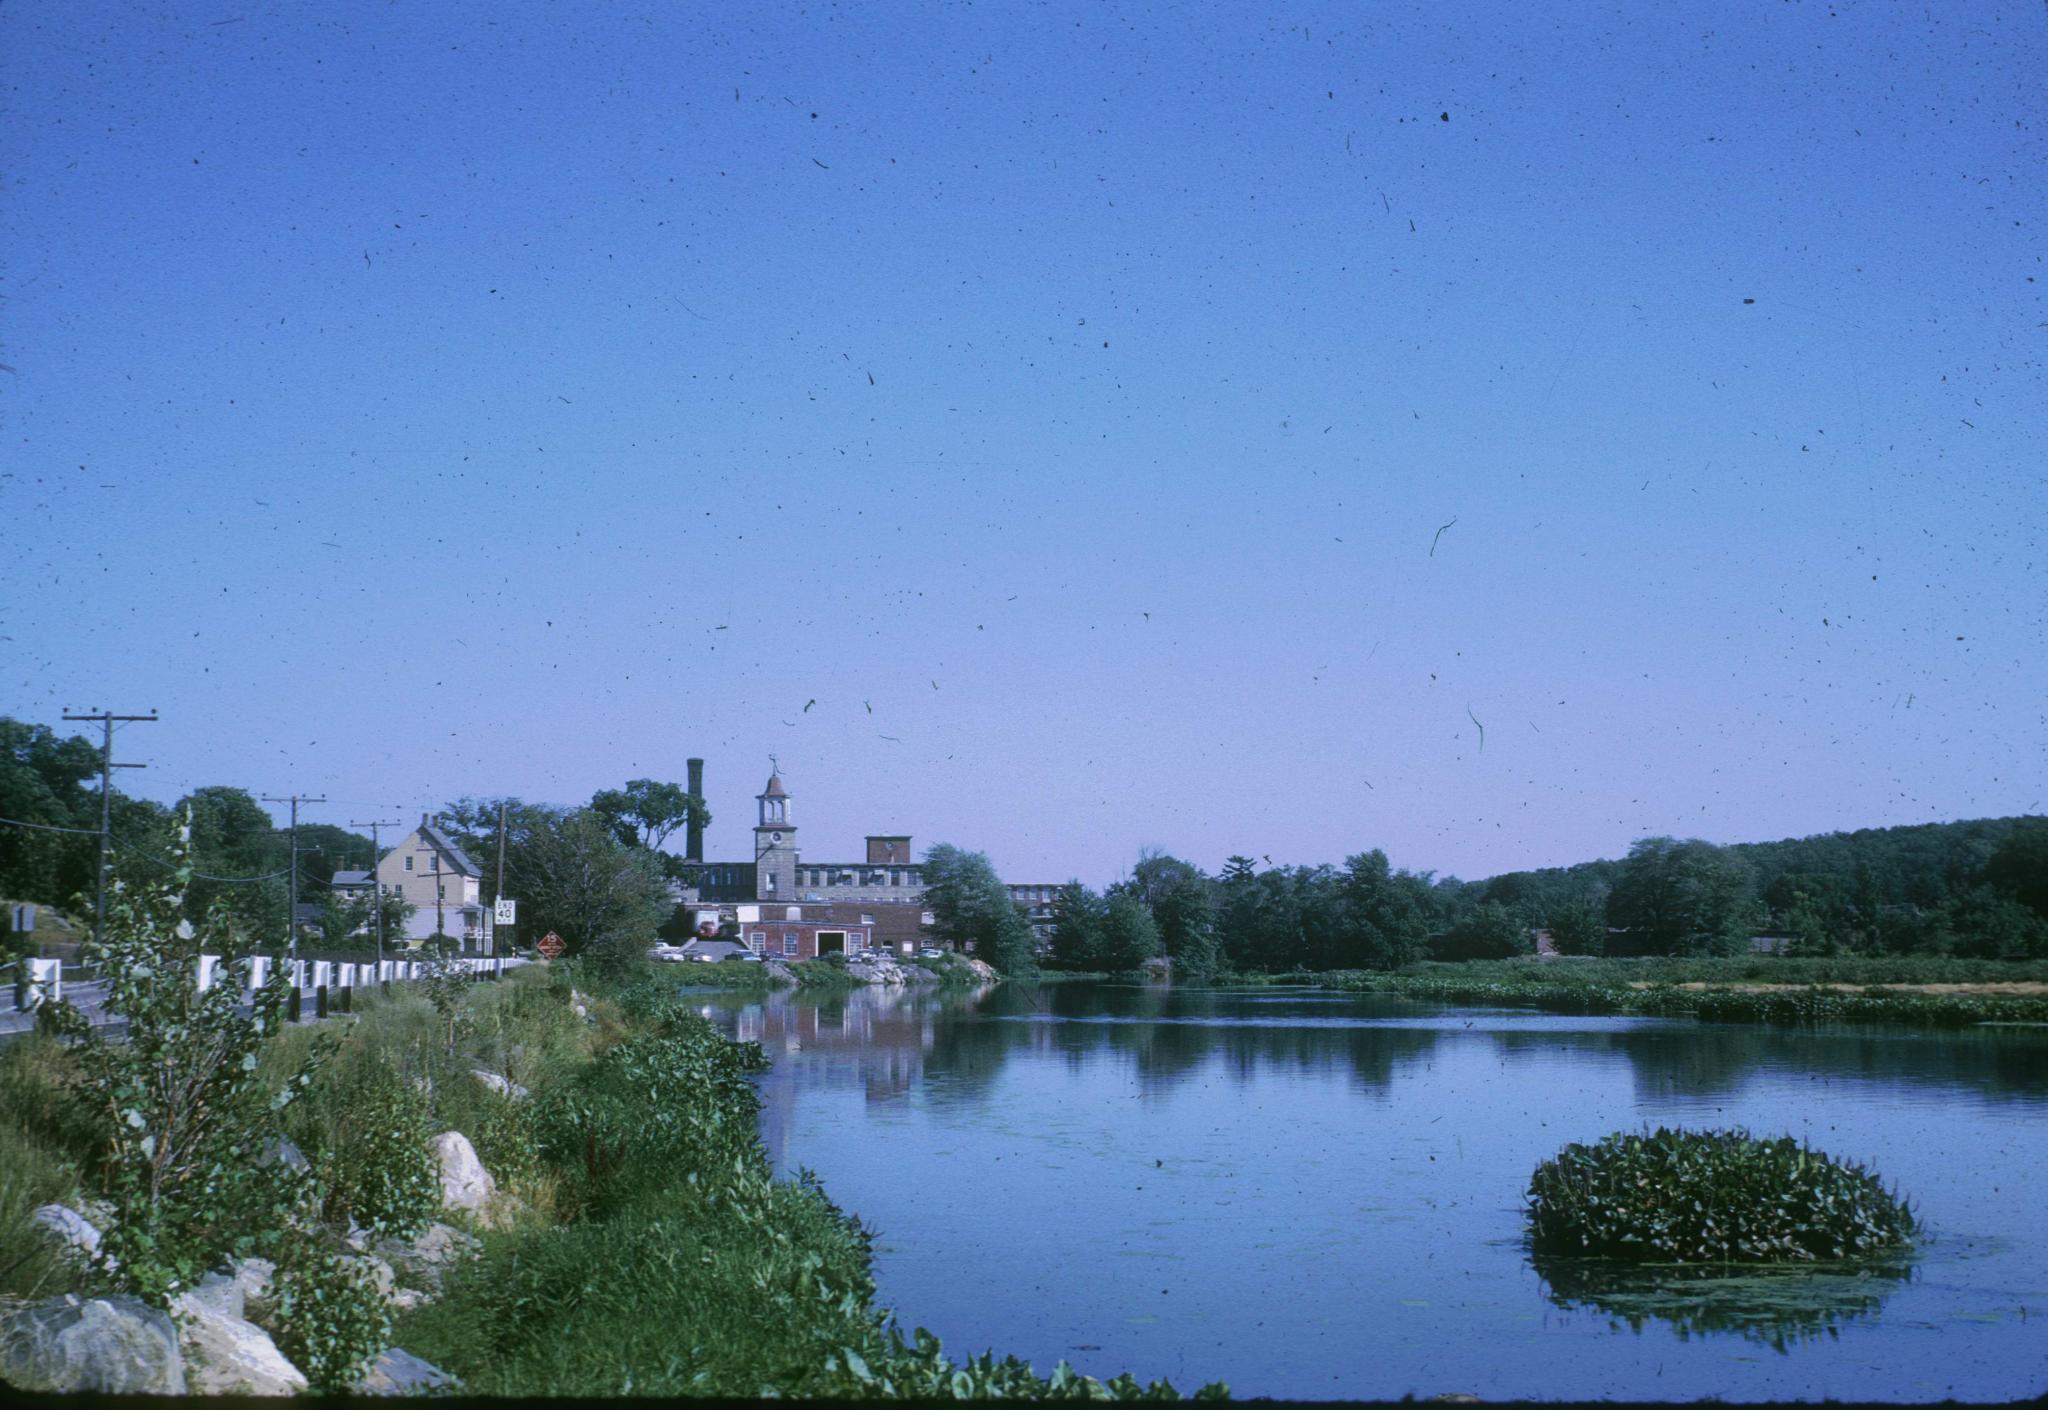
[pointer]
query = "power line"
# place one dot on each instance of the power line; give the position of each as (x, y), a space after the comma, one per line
(106, 719)
(292, 915)
(376, 886)
(45, 827)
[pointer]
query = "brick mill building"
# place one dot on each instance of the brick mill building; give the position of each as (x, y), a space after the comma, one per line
(788, 905)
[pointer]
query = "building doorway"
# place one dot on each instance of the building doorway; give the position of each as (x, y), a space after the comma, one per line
(831, 942)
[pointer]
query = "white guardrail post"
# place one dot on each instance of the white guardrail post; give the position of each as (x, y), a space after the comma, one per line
(43, 983)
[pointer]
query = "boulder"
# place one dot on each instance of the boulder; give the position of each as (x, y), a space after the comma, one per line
(380, 1273)
(399, 1372)
(225, 1353)
(252, 1278)
(503, 1086)
(779, 972)
(465, 1184)
(422, 1262)
(280, 1150)
(113, 1345)
(67, 1231)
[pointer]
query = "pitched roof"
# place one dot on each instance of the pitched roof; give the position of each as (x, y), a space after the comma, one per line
(455, 854)
(775, 788)
(350, 878)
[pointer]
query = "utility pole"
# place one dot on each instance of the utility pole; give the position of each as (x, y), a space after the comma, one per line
(376, 886)
(499, 895)
(107, 766)
(292, 921)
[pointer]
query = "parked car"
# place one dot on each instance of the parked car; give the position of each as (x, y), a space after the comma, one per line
(751, 958)
(928, 953)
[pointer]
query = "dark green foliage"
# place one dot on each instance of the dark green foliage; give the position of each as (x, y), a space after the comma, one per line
(43, 779)
(1186, 912)
(646, 812)
(1385, 917)
(1078, 915)
(1489, 932)
(1682, 898)
(369, 1133)
(652, 1112)
(1129, 934)
(575, 878)
(1579, 927)
(972, 909)
(1677, 1196)
(329, 1318)
(2018, 868)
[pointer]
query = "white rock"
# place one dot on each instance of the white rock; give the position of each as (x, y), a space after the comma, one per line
(64, 1228)
(253, 1279)
(422, 1262)
(114, 1345)
(226, 1354)
(503, 1086)
(465, 1184)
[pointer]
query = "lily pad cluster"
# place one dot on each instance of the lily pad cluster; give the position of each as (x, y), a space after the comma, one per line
(1710, 1197)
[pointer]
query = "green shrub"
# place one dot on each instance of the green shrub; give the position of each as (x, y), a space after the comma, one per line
(652, 1111)
(329, 1318)
(1710, 1196)
(371, 1140)
(179, 1116)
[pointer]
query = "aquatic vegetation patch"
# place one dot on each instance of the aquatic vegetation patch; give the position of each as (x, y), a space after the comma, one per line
(1557, 989)
(1678, 1196)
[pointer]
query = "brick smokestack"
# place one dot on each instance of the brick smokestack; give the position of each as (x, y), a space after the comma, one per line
(693, 848)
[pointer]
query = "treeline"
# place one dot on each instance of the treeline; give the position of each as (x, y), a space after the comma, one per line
(1973, 889)
(49, 843)
(596, 873)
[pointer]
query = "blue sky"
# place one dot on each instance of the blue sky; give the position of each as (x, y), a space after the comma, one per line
(418, 401)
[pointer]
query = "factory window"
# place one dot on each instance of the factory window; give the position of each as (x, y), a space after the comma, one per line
(789, 942)
(771, 881)
(867, 920)
(758, 941)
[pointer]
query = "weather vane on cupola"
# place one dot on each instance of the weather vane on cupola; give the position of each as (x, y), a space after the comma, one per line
(773, 767)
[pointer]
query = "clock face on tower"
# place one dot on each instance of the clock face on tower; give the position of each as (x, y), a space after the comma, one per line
(774, 837)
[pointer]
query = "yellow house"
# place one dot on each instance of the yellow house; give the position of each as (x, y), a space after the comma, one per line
(443, 886)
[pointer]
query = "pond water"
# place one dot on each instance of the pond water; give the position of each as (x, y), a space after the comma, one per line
(1312, 1195)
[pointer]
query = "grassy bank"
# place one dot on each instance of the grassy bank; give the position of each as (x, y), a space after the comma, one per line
(1751, 990)
(643, 1245)
(661, 1257)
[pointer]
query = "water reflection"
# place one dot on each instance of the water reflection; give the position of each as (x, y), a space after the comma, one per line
(888, 1040)
(1356, 1163)
(1775, 1308)
(1701, 1061)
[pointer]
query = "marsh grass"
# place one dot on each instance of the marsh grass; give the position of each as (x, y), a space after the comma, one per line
(1611, 987)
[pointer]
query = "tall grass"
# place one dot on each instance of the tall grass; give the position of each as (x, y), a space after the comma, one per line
(45, 1154)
